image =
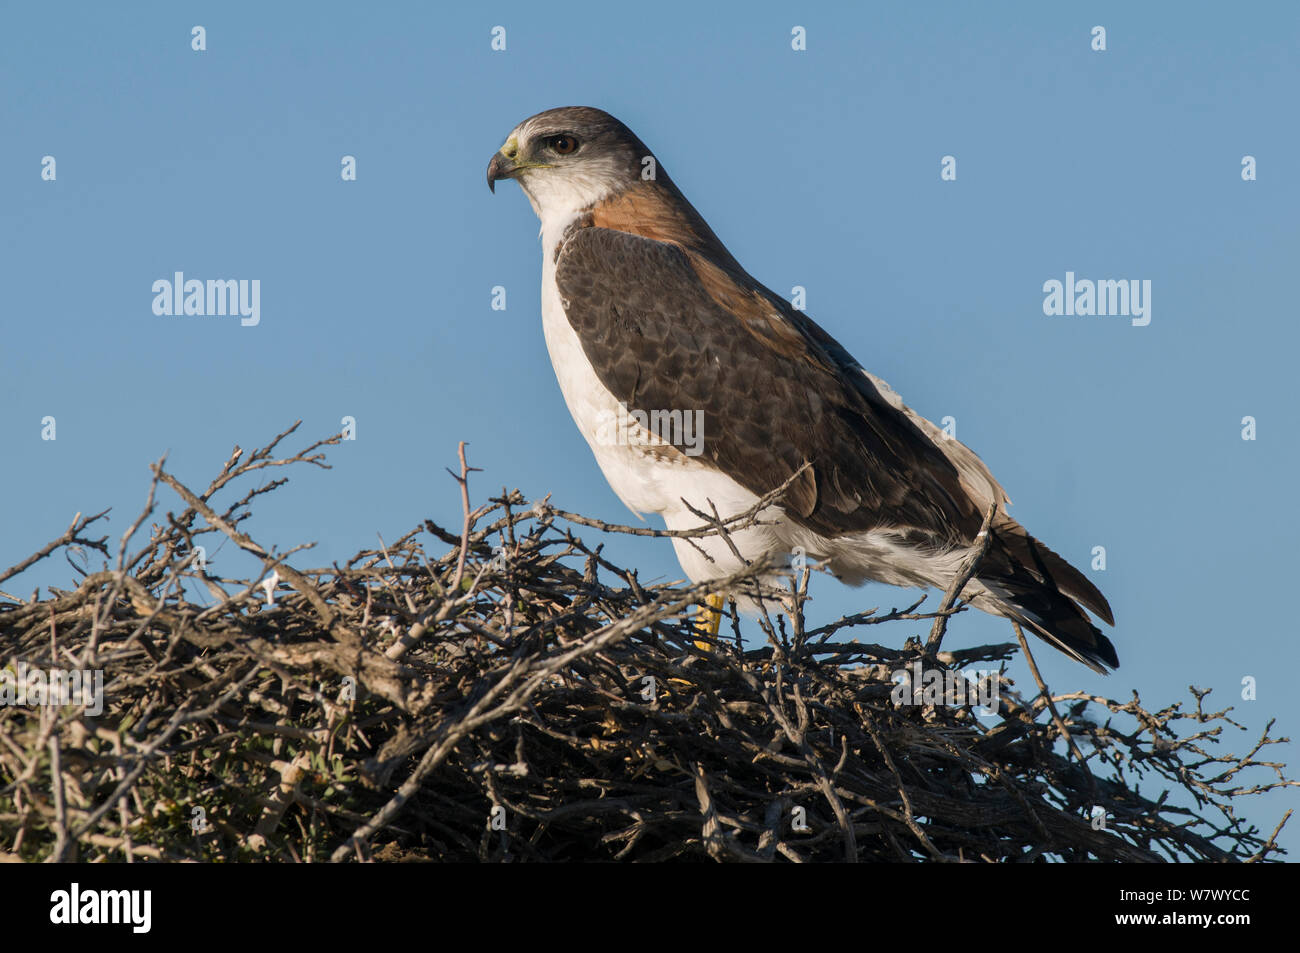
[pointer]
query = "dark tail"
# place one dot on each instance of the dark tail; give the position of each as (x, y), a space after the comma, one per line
(1040, 590)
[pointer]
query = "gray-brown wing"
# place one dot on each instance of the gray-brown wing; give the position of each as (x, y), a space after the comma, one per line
(773, 396)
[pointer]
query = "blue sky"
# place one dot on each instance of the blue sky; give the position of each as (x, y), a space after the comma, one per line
(818, 168)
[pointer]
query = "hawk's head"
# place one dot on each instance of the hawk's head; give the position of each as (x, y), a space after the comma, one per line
(569, 158)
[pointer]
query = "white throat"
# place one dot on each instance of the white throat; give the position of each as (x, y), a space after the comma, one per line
(559, 196)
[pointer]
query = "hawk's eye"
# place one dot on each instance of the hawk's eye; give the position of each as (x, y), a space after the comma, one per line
(564, 145)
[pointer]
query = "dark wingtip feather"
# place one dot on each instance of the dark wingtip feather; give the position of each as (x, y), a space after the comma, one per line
(1030, 595)
(1052, 569)
(1076, 637)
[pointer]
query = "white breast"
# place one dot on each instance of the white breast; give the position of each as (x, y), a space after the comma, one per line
(633, 475)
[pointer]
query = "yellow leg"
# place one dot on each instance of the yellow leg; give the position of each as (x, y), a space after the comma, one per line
(710, 619)
(707, 622)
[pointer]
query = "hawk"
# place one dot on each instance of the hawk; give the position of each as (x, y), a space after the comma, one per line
(646, 314)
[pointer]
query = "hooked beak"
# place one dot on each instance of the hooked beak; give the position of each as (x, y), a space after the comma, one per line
(508, 163)
(500, 168)
(505, 164)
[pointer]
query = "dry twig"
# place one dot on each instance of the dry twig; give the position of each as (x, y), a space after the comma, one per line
(434, 699)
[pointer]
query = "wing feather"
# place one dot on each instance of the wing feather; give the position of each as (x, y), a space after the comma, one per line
(665, 328)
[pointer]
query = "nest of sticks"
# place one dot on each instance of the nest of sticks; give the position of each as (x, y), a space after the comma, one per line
(500, 691)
